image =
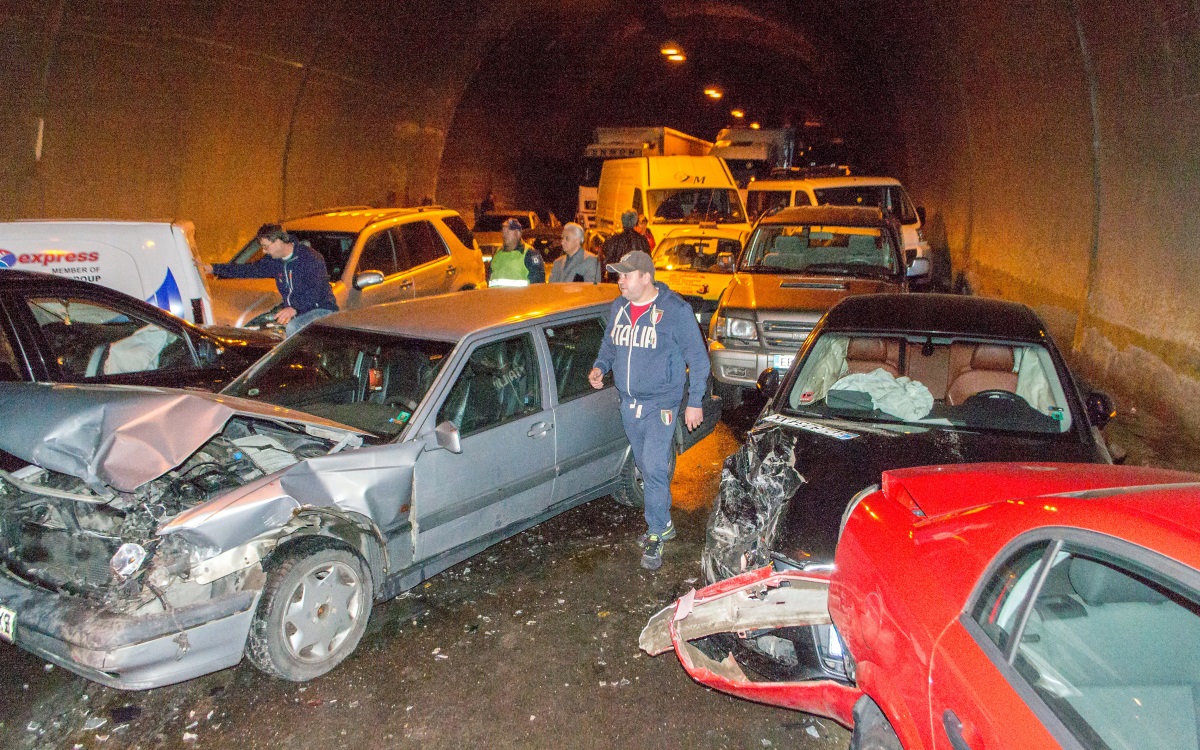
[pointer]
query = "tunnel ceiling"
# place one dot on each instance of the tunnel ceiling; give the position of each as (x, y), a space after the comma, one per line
(1053, 142)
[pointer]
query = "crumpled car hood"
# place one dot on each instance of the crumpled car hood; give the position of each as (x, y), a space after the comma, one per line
(123, 436)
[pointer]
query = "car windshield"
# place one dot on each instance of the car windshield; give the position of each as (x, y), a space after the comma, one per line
(924, 379)
(696, 254)
(758, 202)
(334, 247)
(888, 197)
(370, 381)
(494, 222)
(820, 249)
(694, 205)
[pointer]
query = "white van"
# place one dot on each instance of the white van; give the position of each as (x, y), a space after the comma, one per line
(673, 192)
(153, 261)
(837, 187)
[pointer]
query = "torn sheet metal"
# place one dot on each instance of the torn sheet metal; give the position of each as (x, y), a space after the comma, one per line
(121, 436)
(754, 600)
(756, 483)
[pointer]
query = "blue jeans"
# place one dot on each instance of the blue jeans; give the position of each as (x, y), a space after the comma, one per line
(295, 324)
(651, 439)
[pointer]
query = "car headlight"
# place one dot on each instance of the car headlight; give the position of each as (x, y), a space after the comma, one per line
(127, 560)
(728, 327)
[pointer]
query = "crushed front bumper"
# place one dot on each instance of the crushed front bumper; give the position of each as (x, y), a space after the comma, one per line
(124, 651)
(752, 601)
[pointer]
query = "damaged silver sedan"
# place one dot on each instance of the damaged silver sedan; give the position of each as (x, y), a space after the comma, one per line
(157, 535)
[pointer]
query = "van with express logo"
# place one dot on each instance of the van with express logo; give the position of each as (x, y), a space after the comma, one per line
(672, 192)
(152, 261)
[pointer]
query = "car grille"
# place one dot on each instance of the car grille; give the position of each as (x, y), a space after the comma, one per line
(785, 334)
(55, 557)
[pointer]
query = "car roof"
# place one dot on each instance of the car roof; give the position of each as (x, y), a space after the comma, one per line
(450, 317)
(776, 183)
(950, 314)
(854, 216)
(354, 219)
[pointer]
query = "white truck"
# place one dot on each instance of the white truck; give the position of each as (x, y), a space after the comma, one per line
(625, 142)
(754, 152)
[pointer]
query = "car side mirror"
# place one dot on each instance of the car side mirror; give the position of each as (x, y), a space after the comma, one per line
(921, 214)
(367, 278)
(1100, 409)
(768, 382)
(447, 437)
(918, 266)
(725, 261)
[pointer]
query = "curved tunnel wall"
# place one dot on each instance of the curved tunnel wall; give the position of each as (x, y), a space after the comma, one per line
(1052, 142)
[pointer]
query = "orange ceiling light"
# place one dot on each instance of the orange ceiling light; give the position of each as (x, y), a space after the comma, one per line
(739, 114)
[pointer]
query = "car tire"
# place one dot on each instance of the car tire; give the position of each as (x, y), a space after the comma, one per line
(312, 614)
(632, 492)
(872, 731)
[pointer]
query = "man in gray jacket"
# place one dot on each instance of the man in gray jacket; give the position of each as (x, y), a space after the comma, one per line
(652, 346)
(576, 264)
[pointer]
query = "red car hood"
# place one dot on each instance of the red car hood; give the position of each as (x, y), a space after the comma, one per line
(949, 489)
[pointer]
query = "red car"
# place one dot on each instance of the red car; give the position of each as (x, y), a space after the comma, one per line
(985, 606)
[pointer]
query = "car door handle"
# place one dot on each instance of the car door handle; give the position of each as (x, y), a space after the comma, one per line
(540, 429)
(406, 284)
(954, 731)
(451, 270)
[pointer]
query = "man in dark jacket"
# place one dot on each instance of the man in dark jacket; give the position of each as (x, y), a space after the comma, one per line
(652, 346)
(299, 273)
(628, 241)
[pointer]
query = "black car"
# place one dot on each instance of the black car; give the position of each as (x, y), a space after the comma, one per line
(884, 382)
(57, 329)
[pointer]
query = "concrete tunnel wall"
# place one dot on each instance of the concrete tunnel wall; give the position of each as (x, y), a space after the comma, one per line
(1053, 142)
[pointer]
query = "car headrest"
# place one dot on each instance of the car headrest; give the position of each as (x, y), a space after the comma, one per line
(871, 349)
(1097, 583)
(992, 357)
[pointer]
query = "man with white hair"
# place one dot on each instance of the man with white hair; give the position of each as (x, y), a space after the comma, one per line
(576, 264)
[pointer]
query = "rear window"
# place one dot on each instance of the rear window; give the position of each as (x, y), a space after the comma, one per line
(890, 198)
(459, 227)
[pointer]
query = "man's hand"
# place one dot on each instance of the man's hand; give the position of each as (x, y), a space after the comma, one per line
(596, 378)
(283, 316)
(693, 417)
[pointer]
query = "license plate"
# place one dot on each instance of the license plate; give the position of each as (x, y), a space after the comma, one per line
(8, 624)
(782, 361)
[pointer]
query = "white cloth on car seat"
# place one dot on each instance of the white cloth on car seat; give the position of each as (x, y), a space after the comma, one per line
(901, 397)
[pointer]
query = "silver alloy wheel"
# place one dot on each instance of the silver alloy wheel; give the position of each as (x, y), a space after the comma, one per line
(322, 611)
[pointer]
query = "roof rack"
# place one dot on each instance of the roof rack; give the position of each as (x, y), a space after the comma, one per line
(334, 209)
(810, 172)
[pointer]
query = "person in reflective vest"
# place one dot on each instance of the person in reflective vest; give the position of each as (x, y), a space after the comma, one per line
(516, 263)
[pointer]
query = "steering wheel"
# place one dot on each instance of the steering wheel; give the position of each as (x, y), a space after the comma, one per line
(998, 394)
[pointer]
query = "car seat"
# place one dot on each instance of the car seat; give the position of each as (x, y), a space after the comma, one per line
(991, 368)
(869, 353)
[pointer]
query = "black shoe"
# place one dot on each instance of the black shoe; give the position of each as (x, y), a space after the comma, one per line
(666, 535)
(652, 552)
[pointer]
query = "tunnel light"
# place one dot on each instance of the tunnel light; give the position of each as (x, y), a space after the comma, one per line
(739, 114)
(670, 48)
(712, 92)
(678, 57)
(755, 126)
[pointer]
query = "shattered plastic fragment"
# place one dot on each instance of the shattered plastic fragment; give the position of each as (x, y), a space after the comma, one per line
(93, 723)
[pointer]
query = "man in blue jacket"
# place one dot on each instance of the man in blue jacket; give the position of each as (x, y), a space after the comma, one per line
(651, 345)
(299, 272)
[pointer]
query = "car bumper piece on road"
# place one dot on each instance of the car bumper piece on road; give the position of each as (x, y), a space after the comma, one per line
(124, 651)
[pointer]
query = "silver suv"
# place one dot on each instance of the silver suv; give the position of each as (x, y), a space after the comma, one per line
(373, 255)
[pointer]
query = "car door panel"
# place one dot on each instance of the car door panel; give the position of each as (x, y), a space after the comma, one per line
(424, 254)
(505, 472)
(379, 254)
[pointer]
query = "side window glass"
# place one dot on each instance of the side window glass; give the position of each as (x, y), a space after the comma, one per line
(573, 349)
(377, 255)
(422, 243)
(802, 199)
(637, 201)
(8, 359)
(499, 383)
(1000, 606)
(1102, 649)
(459, 227)
(90, 339)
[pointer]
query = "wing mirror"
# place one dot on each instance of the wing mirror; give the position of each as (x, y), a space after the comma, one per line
(367, 278)
(447, 437)
(918, 266)
(1100, 409)
(208, 351)
(768, 382)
